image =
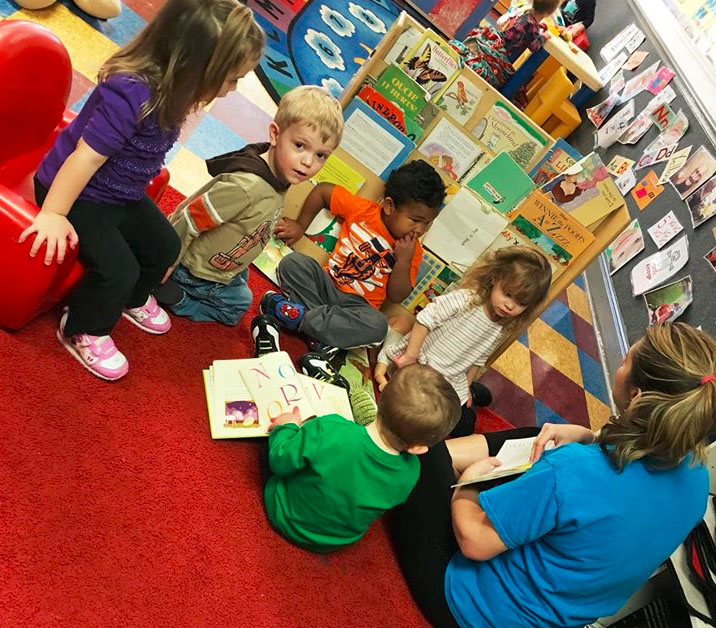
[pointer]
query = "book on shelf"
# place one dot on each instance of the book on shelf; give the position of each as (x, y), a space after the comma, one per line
(433, 279)
(557, 159)
(464, 229)
(242, 396)
(558, 225)
(502, 183)
(585, 190)
(397, 87)
(432, 63)
(501, 129)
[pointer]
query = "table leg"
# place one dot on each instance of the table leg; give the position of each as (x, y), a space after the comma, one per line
(523, 74)
(582, 96)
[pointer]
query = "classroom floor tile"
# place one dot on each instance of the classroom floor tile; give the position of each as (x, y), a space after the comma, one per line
(88, 48)
(514, 364)
(558, 392)
(555, 349)
(579, 302)
(509, 400)
(552, 373)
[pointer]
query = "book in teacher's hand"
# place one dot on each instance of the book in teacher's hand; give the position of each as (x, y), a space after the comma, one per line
(242, 396)
(515, 458)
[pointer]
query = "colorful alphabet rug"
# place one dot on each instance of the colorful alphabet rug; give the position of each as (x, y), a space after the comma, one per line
(317, 42)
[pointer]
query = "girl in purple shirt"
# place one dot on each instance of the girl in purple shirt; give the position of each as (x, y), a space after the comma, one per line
(91, 184)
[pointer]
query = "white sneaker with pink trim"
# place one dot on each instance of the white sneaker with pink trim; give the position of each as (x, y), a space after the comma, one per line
(98, 354)
(150, 317)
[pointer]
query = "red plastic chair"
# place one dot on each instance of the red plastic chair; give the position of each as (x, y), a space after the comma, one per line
(35, 81)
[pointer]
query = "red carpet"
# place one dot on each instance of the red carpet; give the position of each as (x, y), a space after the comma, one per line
(117, 509)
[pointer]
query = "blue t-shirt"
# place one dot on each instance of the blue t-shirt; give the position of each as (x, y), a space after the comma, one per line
(581, 537)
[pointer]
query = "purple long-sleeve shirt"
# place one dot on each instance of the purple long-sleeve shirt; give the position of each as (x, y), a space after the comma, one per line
(109, 124)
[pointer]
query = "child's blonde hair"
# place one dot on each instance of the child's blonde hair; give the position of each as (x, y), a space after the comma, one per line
(313, 106)
(673, 413)
(418, 406)
(545, 7)
(186, 53)
(521, 269)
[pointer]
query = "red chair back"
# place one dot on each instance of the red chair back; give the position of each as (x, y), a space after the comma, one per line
(35, 81)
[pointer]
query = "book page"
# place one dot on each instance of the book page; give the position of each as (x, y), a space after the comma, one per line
(326, 398)
(274, 385)
(232, 411)
(515, 457)
(515, 452)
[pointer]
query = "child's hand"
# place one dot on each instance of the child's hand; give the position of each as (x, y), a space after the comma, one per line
(56, 230)
(381, 380)
(289, 231)
(405, 247)
(478, 469)
(405, 359)
(287, 417)
(168, 274)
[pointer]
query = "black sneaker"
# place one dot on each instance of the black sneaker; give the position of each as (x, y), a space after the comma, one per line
(264, 331)
(169, 293)
(315, 365)
(481, 395)
(327, 352)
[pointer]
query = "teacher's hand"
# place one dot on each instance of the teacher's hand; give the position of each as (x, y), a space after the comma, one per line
(559, 435)
(478, 469)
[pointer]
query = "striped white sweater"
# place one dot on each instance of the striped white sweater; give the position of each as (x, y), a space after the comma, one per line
(458, 338)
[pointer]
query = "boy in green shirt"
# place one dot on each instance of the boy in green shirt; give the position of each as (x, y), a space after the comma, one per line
(333, 478)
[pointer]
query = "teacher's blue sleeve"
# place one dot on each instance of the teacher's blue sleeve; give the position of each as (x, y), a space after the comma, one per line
(526, 508)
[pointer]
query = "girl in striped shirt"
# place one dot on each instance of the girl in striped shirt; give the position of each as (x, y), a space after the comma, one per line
(459, 330)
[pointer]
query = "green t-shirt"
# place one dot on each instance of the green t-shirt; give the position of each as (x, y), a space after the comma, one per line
(332, 481)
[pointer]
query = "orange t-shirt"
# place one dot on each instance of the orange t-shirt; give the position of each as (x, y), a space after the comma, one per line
(363, 258)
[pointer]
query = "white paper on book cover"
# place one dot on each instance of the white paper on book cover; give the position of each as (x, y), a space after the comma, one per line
(464, 229)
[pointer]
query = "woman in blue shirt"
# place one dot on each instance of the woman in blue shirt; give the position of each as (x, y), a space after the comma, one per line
(571, 539)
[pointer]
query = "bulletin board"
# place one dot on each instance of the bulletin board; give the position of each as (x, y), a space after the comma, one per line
(702, 239)
(470, 124)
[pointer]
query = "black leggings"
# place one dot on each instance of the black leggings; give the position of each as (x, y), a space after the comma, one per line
(125, 251)
(422, 531)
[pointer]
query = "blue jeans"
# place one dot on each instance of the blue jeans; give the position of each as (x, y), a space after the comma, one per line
(210, 301)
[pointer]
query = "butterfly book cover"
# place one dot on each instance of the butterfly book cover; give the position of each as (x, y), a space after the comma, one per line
(243, 396)
(433, 64)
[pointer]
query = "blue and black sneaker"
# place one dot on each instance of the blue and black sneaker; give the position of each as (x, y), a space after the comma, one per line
(287, 313)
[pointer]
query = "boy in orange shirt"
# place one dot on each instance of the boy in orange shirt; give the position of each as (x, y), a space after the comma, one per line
(377, 257)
